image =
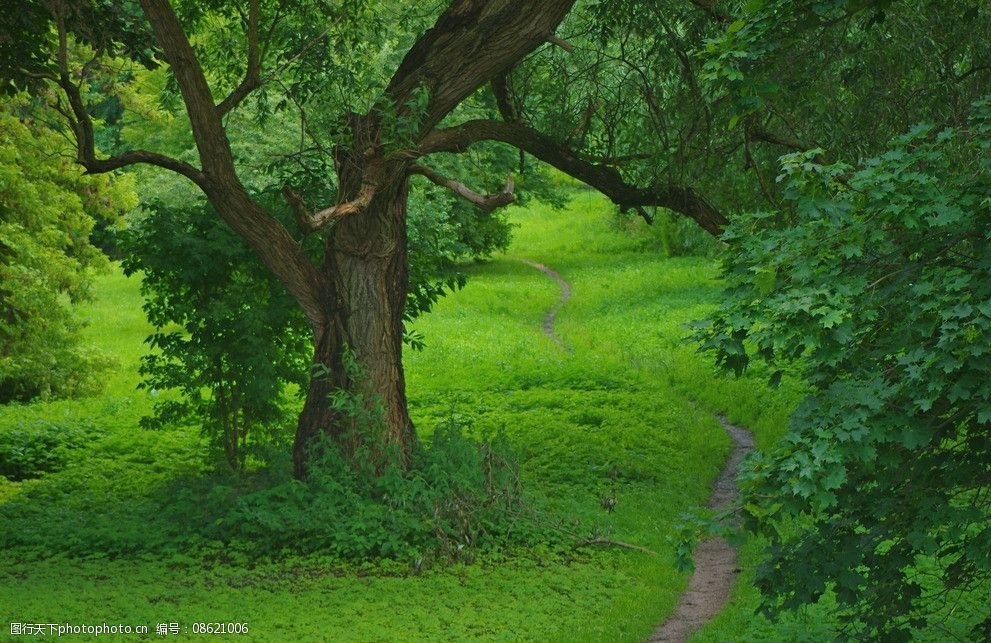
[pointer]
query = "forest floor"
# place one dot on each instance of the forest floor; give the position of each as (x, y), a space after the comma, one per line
(628, 413)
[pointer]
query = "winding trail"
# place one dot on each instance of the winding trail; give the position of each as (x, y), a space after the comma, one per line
(715, 560)
(556, 308)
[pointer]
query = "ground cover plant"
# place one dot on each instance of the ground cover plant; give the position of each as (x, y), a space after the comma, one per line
(607, 421)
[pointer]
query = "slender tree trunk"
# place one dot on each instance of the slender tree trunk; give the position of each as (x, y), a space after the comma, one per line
(366, 269)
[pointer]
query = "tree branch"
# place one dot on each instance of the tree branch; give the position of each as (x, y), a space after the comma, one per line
(471, 43)
(268, 238)
(714, 12)
(208, 130)
(252, 75)
(254, 79)
(606, 179)
(133, 157)
(486, 202)
(759, 133)
(82, 124)
(505, 102)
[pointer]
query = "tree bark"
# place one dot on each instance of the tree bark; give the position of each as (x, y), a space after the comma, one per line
(366, 275)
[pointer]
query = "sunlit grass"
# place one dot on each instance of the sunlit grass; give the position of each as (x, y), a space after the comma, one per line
(615, 419)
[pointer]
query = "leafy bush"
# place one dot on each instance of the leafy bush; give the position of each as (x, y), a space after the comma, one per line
(451, 495)
(47, 211)
(228, 336)
(455, 497)
(875, 285)
(33, 449)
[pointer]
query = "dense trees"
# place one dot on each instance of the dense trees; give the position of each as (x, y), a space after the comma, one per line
(47, 211)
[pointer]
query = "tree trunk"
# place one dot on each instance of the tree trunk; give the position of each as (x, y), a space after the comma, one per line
(366, 270)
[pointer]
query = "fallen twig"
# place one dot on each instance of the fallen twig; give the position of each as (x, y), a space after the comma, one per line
(615, 543)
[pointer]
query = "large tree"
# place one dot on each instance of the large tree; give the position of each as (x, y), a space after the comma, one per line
(354, 296)
(651, 102)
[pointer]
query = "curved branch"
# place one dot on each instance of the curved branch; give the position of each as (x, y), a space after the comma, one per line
(486, 202)
(606, 179)
(252, 75)
(82, 125)
(760, 133)
(133, 157)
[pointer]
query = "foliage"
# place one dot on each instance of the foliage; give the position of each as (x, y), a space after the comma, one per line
(668, 233)
(873, 285)
(33, 449)
(710, 94)
(47, 211)
(228, 337)
(455, 498)
(115, 27)
(847, 75)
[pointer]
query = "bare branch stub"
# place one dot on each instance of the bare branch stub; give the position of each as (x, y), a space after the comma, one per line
(310, 222)
(486, 202)
(562, 43)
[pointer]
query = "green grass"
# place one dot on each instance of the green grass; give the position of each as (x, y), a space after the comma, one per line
(614, 418)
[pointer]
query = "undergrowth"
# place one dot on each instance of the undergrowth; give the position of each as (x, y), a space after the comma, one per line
(454, 499)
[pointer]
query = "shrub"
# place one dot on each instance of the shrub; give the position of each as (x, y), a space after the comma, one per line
(47, 210)
(452, 496)
(228, 336)
(33, 449)
(875, 285)
(455, 497)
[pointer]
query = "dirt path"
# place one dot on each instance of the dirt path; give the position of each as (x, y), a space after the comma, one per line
(552, 313)
(715, 561)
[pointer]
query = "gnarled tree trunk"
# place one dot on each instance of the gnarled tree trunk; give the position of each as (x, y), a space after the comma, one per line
(365, 271)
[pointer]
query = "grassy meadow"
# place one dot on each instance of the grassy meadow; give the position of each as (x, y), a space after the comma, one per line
(627, 415)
